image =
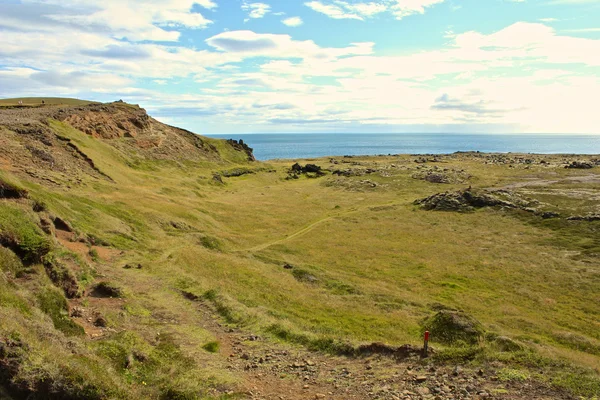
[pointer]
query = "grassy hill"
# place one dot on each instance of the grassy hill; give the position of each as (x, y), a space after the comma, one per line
(37, 101)
(146, 280)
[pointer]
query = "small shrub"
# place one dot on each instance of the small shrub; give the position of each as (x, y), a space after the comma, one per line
(9, 262)
(341, 288)
(39, 206)
(211, 243)
(94, 255)
(212, 347)
(509, 374)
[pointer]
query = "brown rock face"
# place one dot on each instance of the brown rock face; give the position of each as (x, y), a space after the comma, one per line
(29, 145)
(111, 121)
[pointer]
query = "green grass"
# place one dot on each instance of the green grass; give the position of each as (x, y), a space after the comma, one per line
(368, 265)
(54, 304)
(18, 232)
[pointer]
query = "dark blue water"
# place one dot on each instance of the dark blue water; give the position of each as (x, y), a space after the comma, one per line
(293, 145)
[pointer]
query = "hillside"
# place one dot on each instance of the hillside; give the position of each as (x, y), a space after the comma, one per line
(37, 102)
(139, 260)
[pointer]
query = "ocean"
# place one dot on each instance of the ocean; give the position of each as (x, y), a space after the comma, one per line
(312, 145)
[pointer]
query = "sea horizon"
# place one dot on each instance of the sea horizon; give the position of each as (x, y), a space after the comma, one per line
(268, 146)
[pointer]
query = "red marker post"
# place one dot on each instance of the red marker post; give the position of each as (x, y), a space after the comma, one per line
(426, 344)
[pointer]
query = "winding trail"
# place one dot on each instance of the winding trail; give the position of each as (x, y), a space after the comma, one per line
(321, 221)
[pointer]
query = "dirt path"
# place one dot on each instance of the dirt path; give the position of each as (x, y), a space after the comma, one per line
(272, 370)
(316, 223)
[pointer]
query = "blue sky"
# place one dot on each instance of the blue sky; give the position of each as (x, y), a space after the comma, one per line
(236, 66)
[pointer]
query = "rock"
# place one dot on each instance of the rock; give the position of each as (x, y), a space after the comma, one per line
(77, 312)
(457, 371)
(312, 168)
(450, 326)
(308, 168)
(133, 266)
(549, 214)
(588, 218)
(423, 391)
(241, 146)
(421, 378)
(579, 165)
(469, 199)
(437, 178)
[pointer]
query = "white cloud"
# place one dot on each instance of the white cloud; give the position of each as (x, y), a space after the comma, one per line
(520, 76)
(153, 20)
(583, 30)
(332, 11)
(404, 8)
(256, 10)
(249, 43)
(293, 21)
(339, 9)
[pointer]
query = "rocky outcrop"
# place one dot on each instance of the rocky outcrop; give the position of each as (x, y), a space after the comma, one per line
(453, 327)
(32, 143)
(588, 218)
(470, 199)
(580, 165)
(241, 146)
(310, 170)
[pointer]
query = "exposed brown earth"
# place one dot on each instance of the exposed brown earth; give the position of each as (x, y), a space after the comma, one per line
(30, 146)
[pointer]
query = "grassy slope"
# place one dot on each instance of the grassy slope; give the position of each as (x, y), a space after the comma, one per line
(379, 262)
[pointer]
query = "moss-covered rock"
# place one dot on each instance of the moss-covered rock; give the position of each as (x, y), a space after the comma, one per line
(453, 327)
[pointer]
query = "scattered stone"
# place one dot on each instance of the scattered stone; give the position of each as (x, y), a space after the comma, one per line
(549, 214)
(579, 165)
(470, 199)
(423, 391)
(133, 266)
(77, 312)
(588, 218)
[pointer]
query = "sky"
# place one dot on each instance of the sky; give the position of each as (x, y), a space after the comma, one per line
(237, 66)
